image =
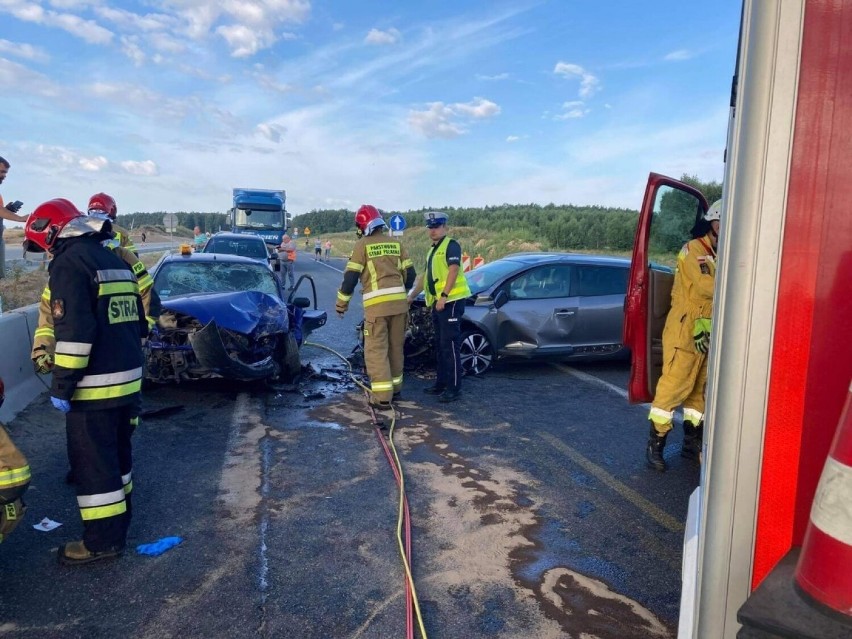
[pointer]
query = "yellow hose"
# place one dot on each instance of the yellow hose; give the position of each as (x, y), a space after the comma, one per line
(400, 543)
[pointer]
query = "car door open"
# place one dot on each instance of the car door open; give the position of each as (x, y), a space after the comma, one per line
(669, 210)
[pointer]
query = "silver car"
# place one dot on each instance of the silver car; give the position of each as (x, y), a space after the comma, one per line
(558, 306)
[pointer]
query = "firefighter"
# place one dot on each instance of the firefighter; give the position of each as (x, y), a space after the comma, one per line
(99, 322)
(686, 339)
(386, 273)
(44, 340)
(103, 204)
(14, 480)
(446, 291)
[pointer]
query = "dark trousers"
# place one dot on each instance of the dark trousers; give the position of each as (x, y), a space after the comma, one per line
(447, 325)
(101, 460)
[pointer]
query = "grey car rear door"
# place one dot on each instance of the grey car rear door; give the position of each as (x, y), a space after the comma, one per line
(600, 292)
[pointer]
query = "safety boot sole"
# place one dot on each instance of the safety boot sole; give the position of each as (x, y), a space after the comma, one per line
(83, 555)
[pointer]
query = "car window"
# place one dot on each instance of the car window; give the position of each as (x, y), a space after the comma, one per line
(484, 277)
(542, 283)
(247, 248)
(599, 280)
(179, 278)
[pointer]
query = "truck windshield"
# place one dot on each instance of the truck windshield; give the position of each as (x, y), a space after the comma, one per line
(255, 219)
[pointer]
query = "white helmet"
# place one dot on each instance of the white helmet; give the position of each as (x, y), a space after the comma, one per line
(714, 212)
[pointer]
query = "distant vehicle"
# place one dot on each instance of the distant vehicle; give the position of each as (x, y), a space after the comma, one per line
(240, 244)
(554, 306)
(225, 316)
(260, 212)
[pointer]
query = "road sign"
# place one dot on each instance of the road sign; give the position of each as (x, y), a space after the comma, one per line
(170, 222)
(397, 223)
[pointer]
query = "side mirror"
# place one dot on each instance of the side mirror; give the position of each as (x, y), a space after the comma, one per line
(301, 302)
(483, 300)
(501, 298)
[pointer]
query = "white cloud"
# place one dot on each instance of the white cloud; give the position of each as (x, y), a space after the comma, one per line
(478, 108)
(441, 120)
(513, 138)
(146, 167)
(492, 78)
(26, 80)
(679, 55)
(25, 51)
(86, 30)
(272, 132)
(93, 163)
(572, 110)
(132, 50)
(435, 122)
(244, 40)
(589, 84)
(375, 36)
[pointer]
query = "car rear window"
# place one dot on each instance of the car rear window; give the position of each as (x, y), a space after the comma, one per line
(247, 248)
(591, 281)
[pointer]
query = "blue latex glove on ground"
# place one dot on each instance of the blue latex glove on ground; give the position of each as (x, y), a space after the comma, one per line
(60, 404)
(158, 547)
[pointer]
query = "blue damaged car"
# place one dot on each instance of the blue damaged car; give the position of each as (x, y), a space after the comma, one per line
(225, 316)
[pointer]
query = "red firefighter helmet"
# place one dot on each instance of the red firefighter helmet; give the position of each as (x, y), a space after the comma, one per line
(103, 203)
(367, 219)
(59, 219)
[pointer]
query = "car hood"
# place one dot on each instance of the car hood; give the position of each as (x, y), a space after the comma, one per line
(245, 312)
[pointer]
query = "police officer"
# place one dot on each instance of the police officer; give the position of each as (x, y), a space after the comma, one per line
(446, 291)
(686, 339)
(99, 322)
(14, 480)
(101, 203)
(382, 266)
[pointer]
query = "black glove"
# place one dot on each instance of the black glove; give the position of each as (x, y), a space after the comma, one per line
(14, 206)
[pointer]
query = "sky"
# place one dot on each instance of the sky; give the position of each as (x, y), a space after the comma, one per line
(169, 104)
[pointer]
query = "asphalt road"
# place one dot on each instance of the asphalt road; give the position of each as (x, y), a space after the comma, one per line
(533, 513)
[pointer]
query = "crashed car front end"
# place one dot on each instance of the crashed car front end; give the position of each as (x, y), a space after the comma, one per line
(237, 335)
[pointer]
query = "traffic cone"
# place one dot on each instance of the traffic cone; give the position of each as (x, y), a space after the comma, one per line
(824, 571)
(478, 261)
(465, 262)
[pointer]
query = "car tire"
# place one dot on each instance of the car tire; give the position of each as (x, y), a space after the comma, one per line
(476, 352)
(290, 362)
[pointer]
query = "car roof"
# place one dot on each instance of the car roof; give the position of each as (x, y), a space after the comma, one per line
(570, 258)
(210, 257)
(229, 235)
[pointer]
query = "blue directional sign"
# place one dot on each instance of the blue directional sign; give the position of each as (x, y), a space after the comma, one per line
(397, 223)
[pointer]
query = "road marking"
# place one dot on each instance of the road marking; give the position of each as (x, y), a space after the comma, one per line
(650, 509)
(590, 378)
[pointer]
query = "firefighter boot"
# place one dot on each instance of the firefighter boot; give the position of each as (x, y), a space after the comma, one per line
(654, 451)
(693, 437)
(75, 553)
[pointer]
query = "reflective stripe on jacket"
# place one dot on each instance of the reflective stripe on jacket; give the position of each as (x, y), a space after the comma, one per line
(384, 270)
(99, 321)
(44, 339)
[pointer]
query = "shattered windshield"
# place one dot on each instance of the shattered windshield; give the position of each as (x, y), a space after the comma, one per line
(176, 279)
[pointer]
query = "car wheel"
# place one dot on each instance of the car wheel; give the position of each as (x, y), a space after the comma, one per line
(291, 363)
(476, 353)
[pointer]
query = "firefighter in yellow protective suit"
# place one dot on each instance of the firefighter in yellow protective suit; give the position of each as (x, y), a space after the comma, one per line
(382, 266)
(14, 479)
(686, 339)
(103, 204)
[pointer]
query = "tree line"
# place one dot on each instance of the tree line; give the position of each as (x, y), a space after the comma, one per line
(559, 226)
